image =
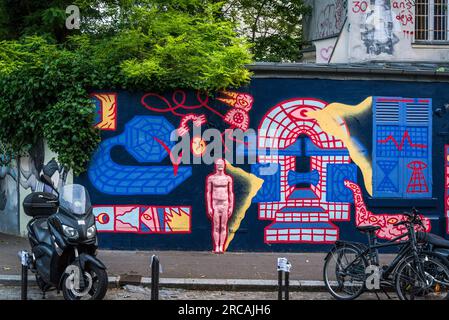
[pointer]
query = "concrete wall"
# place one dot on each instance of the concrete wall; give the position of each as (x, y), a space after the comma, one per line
(375, 30)
(326, 19)
(332, 142)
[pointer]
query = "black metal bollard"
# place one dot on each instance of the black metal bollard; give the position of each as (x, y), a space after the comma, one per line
(283, 267)
(24, 292)
(280, 272)
(23, 256)
(155, 268)
(287, 284)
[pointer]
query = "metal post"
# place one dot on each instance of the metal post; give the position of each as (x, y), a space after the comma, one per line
(23, 256)
(24, 292)
(155, 277)
(280, 284)
(283, 267)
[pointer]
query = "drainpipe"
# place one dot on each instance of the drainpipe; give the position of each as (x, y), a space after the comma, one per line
(18, 193)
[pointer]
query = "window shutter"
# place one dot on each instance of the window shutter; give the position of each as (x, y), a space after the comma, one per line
(386, 130)
(402, 144)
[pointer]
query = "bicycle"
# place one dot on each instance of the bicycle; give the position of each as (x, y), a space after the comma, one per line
(414, 273)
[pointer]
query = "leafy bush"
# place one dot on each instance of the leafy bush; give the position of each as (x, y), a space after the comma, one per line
(160, 45)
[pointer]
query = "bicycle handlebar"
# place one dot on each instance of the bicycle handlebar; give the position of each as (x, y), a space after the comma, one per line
(413, 218)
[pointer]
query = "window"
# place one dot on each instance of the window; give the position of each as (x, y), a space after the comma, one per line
(431, 18)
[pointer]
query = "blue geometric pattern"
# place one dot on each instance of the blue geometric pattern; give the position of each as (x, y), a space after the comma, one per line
(313, 150)
(271, 187)
(312, 177)
(336, 175)
(402, 142)
(139, 140)
(387, 185)
(402, 134)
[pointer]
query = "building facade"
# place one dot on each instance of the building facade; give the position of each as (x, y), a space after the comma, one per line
(354, 31)
(355, 136)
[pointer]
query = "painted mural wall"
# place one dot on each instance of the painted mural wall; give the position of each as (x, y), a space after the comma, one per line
(9, 211)
(320, 157)
(21, 177)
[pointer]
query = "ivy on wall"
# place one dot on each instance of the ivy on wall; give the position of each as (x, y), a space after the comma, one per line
(45, 79)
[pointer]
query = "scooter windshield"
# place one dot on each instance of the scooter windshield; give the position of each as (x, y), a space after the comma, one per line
(74, 198)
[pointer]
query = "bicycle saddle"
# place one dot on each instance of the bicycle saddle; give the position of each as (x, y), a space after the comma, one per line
(434, 239)
(367, 228)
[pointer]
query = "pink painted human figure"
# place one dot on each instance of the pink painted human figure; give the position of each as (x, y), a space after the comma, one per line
(219, 203)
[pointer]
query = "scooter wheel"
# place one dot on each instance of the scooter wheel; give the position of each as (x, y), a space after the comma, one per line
(96, 280)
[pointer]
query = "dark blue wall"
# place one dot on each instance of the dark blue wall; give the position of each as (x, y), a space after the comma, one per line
(266, 93)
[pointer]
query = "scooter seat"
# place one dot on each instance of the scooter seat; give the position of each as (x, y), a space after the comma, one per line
(40, 229)
(437, 241)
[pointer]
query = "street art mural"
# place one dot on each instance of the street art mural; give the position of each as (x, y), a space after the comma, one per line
(32, 167)
(312, 130)
(402, 148)
(18, 178)
(386, 222)
(106, 105)
(157, 169)
(378, 28)
(9, 211)
(147, 139)
(320, 159)
(143, 219)
(302, 213)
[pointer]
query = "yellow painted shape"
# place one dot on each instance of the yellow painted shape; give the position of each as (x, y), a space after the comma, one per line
(179, 222)
(255, 184)
(328, 119)
(109, 111)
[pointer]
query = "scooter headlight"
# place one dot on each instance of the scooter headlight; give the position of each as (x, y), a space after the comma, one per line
(91, 231)
(70, 232)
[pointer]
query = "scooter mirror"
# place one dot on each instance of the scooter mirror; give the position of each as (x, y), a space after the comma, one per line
(47, 180)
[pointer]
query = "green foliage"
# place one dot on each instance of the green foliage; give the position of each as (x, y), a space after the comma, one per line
(46, 74)
(274, 27)
(41, 98)
(60, 120)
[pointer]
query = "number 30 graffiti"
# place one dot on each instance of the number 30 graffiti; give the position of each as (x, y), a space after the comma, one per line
(359, 6)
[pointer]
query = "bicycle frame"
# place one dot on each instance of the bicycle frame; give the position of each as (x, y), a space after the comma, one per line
(371, 252)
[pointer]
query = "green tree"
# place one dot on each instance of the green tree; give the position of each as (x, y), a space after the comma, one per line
(273, 27)
(47, 72)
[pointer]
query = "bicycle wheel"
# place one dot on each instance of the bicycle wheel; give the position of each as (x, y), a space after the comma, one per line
(430, 281)
(344, 273)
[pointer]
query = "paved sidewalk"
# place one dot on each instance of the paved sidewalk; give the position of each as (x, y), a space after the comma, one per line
(129, 292)
(189, 268)
(184, 264)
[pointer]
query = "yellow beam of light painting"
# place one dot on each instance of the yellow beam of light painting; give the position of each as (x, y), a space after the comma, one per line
(254, 184)
(327, 119)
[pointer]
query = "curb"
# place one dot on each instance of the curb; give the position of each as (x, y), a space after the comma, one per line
(191, 283)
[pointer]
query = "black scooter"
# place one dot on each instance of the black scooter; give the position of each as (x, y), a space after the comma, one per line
(63, 240)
